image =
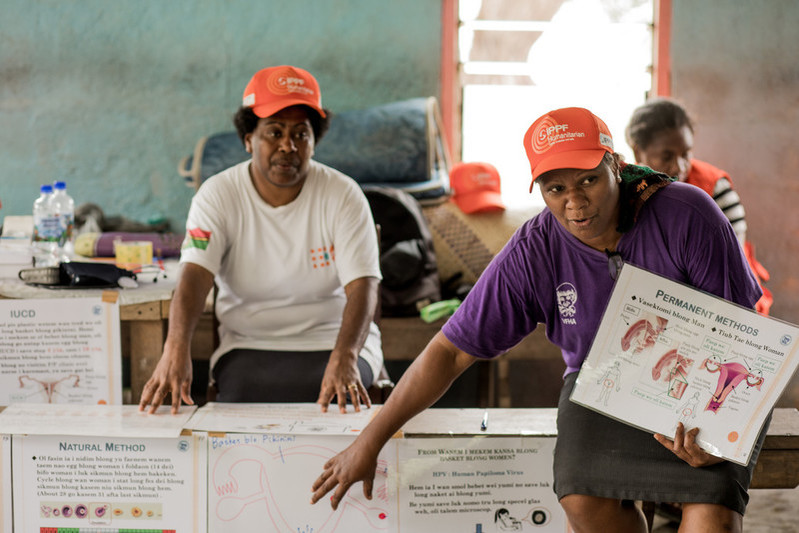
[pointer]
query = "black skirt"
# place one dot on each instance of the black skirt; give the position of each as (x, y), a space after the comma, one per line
(598, 456)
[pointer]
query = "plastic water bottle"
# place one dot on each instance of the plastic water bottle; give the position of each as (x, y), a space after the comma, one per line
(45, 230)
(63, 208)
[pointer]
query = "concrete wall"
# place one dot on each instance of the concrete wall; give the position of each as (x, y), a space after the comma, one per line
(110, 95)
(734, 65)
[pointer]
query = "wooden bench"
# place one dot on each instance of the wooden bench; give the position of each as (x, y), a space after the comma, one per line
(778, 464)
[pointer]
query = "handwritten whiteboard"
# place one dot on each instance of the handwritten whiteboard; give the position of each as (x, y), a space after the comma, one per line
(262, 482)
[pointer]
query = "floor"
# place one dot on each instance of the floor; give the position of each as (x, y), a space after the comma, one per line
(769, 511)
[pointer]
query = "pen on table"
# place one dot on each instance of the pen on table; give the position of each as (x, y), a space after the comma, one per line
(484, 423)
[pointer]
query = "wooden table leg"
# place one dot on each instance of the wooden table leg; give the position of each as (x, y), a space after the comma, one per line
(486, 376)
(146, 345)
(504, 398)
(147, 323)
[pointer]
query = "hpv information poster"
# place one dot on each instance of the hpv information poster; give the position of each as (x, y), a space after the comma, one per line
(667, 353)
(477, 484)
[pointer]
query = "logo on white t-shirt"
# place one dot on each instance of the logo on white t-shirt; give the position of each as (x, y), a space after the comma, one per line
(323, 256)
(567, 300)
(196, 238)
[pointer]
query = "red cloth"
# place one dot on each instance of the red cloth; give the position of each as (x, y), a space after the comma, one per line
(704, 175)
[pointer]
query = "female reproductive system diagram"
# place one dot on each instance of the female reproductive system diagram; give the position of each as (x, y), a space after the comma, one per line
(675, 368)
(264, 485)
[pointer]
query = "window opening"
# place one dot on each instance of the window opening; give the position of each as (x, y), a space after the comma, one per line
(518, 60)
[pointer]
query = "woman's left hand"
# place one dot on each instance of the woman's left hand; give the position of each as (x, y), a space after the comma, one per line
(685, 447)
(341, 380)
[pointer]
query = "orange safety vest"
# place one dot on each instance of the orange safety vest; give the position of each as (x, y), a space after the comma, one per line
(704, 175)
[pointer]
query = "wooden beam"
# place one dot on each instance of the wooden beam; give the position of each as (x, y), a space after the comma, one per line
(661, 69)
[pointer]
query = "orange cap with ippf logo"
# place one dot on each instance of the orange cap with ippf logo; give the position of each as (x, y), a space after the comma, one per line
(476, 187)
(275, 88)
(571, 137)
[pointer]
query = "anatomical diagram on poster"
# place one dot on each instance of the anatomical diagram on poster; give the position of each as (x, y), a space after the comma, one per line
(60, 350)
(262, 482)
(263, 459)
(667, 353)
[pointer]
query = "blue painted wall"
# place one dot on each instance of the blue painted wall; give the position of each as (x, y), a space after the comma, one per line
(110, 94)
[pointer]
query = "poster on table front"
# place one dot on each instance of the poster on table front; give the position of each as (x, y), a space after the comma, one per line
(5, 484)
(666, 353)
(61, 350)
(72, 483)
(477, 484)
(262, 482)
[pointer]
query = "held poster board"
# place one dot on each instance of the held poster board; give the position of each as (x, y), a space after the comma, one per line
(60, 350)
(145, 475)
(667, 353)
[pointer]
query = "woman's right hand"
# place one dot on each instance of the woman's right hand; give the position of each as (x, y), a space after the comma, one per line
(172, 374)
(355, 463)
(685, 447)
(424, 382)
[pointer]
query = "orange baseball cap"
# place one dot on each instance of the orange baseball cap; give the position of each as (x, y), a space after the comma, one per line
(475, 187)
(275, 88)
(571, 137)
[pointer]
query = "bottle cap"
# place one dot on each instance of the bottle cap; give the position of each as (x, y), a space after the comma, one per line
(60, 185)
(46, 188)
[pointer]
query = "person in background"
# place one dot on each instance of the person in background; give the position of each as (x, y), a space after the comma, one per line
(661, 135)
(598, 212)
(292, 248)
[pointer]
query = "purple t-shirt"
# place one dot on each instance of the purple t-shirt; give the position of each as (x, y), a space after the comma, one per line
(546, 275)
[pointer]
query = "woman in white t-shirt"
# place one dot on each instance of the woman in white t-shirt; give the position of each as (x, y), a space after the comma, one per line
(292, 248)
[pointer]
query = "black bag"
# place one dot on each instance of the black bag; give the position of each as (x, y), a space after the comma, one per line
(407, 259)
(77, 275)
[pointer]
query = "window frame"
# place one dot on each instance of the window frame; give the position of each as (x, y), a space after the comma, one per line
(451, 90)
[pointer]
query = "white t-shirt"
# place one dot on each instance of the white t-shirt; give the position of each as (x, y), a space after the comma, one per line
(281, 271)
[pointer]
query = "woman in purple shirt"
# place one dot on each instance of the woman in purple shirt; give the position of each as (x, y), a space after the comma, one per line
(558, 269)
